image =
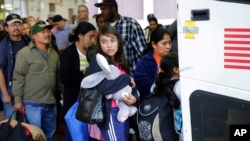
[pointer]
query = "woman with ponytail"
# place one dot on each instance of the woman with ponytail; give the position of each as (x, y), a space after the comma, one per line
(74, 64)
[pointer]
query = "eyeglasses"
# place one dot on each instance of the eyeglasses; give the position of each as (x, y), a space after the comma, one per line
(17, 24)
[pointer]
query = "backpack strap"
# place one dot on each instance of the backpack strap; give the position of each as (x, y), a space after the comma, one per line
(177, 112)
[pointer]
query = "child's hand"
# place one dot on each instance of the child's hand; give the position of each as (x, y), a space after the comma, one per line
(129, 99)
(132, 83)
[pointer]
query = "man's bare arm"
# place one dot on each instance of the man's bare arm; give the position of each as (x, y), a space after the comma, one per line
(3, 87)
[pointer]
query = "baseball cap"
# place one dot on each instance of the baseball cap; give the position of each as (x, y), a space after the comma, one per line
(39, 27)
(58, 18)
(150, 16)
(11, 18)
(107, 2)
(51, 15)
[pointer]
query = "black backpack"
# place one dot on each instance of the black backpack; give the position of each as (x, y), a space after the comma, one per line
(155, 119)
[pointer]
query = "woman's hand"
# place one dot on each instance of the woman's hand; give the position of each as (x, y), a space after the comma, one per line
(129, 99)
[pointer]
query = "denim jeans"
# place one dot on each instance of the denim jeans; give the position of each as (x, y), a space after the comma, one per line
(43, 117)
(8, 109)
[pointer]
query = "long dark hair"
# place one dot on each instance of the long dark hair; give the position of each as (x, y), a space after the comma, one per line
(119, 56)
(82, 28)
(156, 36)
(164, 85)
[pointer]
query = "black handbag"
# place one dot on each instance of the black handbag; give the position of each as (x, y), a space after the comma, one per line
(16, 133)
(90, 105)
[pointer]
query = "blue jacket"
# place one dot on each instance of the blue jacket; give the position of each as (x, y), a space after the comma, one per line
(106, 87)
(7, 58)
(145, 74)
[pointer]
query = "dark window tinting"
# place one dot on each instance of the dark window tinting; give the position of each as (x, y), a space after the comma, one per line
(212, 114)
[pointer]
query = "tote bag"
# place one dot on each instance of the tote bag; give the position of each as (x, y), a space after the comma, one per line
(78, 130)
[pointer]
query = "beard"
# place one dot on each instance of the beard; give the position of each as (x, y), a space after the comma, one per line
(16, 32)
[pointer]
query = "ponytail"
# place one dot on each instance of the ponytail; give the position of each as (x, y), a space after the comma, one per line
(164, 87)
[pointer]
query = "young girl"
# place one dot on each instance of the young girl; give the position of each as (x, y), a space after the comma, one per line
(25, 29)
(160, 124)
(109, 44)
(167, 83)
(170, 66)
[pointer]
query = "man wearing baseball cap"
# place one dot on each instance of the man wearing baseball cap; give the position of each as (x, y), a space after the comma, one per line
(107, 3)
(40, 27)
(61, 32)
(50, 17)
(50, 21)
(9, 46)
(36, 80)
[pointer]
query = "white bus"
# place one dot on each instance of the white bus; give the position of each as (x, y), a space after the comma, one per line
(214, 55)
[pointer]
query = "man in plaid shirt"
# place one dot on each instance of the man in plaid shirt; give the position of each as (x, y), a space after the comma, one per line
(131, 32)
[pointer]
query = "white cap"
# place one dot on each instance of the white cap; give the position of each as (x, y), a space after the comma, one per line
(51, 15)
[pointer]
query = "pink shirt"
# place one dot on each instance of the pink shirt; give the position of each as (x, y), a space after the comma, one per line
(113, 102)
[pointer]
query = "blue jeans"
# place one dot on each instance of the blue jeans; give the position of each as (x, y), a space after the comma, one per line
(8, 109)
(42, 116)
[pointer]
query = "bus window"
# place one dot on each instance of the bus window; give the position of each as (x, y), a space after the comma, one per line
(212, 114)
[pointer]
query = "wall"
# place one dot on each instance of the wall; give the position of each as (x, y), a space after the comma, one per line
(40, 8)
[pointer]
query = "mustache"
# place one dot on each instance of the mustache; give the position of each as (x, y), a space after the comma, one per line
(17, 30)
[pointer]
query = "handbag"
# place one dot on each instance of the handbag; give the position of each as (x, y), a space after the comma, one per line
(75, 126)
(14, 130)
(90, 106)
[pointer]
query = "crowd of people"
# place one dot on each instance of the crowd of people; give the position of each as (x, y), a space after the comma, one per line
(43, 63)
